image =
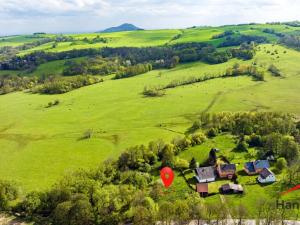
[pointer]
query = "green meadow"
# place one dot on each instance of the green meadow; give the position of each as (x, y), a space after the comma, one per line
(145, 38)
(39, 144)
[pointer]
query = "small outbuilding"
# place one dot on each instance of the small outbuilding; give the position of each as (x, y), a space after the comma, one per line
(202, 189)
(205, 174)
(266, 176)
(231, 189)
(226, 170)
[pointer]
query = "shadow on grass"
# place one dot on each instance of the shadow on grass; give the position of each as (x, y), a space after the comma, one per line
(243, 173)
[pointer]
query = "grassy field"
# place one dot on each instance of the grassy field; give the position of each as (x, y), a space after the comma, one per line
(146, 37)
(39, 144)
(18, 40)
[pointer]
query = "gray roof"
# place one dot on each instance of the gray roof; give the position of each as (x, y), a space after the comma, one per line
(235, 187)
(261, 164)
(226, 167)
(265, 173)
(205, 172)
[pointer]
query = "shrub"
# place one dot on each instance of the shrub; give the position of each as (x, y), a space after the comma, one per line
(281, 164)
(31, 204)
(180, 144)
(8, 193)
(153, 92)
(274, 70)
(54, 103)
(198, 138)
(242, 146)
(193, 164)
(87, 134)
(181, 164)
(254, 140)
(212, 132)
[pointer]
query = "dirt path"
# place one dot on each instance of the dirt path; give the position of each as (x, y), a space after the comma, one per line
(223, 200)
(7, 220)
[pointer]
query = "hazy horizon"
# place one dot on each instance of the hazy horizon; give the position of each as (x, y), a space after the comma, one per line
(77, 16)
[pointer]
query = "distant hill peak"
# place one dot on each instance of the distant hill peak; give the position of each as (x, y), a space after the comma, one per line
(123, 27)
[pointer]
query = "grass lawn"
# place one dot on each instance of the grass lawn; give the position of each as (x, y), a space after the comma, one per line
(39, 144)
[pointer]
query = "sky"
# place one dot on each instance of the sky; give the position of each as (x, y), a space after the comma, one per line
(74, 16)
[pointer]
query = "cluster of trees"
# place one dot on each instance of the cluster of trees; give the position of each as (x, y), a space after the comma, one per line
(218, 57)
(10, 83)
(245, 52)
(293, 23)
(251, 70)
(144, 159)
(45, 85)
(95, 40)
(238, 40)
(93, 65)
(276, 132)
(224, 34)
(60, 85)
(134, 70)
(7, 52)
(292, 41)
(272, 31)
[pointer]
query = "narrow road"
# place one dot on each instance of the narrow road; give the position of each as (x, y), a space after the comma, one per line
(229, 217)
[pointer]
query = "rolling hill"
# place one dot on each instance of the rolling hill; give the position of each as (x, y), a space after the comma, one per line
(123, 27)
(40, 144)
(39, 140)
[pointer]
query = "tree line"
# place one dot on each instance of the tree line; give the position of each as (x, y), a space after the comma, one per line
(45, 85)
(292, 41)
(159, 57)
(60, 85)
(240, 39)
(234, 71)
(93, 65)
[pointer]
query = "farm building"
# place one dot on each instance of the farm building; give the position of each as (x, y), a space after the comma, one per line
(226, 170)
(256, 167)
(266, 176)
(205, 174)
(202, 189)
(231, 189)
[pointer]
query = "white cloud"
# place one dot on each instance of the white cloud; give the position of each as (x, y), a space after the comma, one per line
(19, 16)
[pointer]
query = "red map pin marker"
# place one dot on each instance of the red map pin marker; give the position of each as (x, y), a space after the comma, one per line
(167, 176)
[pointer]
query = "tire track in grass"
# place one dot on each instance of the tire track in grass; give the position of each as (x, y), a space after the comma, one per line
(213, 102)
(229, 217)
